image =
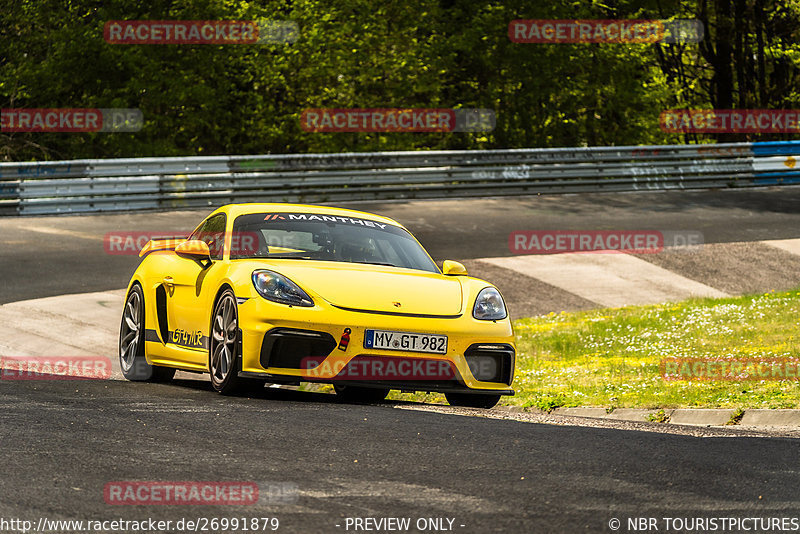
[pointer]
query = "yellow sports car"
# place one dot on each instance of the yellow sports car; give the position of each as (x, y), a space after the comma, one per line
(287, 293)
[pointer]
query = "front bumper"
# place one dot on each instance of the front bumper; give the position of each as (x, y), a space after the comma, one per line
(281, 343)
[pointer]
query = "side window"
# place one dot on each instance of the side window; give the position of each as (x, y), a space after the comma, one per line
(213, 233)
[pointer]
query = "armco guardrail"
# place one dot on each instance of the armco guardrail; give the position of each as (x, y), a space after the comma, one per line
(170, 183)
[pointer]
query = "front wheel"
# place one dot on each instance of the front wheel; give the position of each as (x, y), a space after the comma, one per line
(360, 394)
(471, 400)
(223, 351)
(132, 360)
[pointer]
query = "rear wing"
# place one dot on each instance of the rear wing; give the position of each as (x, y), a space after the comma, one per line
(161, 244)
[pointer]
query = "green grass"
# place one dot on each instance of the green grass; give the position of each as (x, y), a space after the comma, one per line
(611, 357)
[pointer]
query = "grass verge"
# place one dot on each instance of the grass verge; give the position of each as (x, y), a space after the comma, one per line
(612, 357)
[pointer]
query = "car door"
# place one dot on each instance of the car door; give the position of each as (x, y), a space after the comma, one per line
(187, 292)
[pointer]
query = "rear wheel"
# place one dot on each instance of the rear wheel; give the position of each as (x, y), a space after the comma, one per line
(360, 394)
(132, 360)
(471, 400)
(223, 353)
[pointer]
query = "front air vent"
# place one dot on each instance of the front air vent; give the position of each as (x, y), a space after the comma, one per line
(491, 362)
(287, 348)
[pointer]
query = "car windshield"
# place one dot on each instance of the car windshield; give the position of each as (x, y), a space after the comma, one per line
(309, 236)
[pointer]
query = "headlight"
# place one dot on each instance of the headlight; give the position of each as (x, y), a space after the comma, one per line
(489, 305)
(277, 288)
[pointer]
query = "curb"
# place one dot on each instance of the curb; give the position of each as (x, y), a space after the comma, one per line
(756, 417)
(701, 416)
(762, 417)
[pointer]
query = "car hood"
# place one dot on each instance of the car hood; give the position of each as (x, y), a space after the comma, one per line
(376, 288)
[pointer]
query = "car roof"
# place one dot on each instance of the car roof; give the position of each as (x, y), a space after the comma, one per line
(234, 210)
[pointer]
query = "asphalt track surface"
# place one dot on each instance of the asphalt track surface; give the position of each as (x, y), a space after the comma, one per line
(62, 441)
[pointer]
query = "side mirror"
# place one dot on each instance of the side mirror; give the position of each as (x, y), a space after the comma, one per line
(196, 250)
(453, 268)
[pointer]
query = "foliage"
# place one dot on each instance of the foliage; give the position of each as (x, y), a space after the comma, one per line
(247, 99)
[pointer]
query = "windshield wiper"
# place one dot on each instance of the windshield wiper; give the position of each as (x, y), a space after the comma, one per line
(290, 257)
(286, 257)
(375, 263)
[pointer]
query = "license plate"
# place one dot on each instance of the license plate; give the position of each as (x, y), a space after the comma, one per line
(405, 341)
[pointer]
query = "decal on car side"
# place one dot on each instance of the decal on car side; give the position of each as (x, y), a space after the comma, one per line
(192, 340)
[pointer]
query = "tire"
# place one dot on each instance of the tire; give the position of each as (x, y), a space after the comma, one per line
(132, 360)
(223, 349)
(471, 400)
(360, 395)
